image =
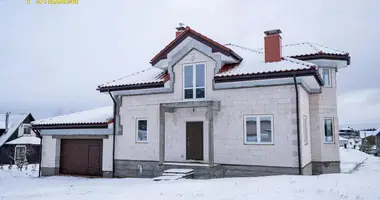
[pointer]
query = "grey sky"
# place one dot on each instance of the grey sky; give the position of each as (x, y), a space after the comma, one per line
(52, 57)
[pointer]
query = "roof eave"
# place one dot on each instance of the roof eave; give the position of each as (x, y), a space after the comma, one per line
(131, 87)
(71, 126)
(271, 75)
(343, 57)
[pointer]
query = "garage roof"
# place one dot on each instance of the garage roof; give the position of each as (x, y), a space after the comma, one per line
(101, 115)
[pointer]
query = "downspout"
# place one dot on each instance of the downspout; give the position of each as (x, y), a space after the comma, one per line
(114, 134)
(40, 158)
(298, 126)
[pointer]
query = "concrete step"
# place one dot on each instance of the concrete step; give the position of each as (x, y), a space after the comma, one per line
(168, 177)
(179, 171)
(174, 174)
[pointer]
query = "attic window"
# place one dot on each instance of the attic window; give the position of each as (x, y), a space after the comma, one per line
(27, 129)
(194, 81)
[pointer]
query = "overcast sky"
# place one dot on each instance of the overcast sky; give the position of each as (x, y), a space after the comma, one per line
(52, 57)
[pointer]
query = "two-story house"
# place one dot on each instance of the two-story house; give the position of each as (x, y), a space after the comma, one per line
(228, 110)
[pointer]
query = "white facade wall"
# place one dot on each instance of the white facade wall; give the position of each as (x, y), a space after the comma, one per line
(51, 149)
(322, 106)
(107, 153)
(304, 111)
(229, 147)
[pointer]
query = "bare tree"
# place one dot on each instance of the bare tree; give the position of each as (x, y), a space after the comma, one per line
(21, 161)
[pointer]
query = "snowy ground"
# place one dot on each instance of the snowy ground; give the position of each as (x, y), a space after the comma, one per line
(350, 159)
(363, 183)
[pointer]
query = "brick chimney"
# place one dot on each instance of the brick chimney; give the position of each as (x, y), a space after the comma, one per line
(180, 29)
(272, 45)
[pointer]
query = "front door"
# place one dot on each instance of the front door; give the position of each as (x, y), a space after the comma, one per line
(194, 140)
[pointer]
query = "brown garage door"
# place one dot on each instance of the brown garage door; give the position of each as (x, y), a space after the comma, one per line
(81, 157)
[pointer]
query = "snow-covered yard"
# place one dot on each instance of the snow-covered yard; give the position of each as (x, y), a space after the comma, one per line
(363, 183)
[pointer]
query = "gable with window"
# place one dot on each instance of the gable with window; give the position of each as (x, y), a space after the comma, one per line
(258, 129)
(194, 81)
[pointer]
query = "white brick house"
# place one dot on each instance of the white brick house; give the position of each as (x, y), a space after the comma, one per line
(229, 110)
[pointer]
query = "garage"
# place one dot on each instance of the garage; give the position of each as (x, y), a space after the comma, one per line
(81, 157)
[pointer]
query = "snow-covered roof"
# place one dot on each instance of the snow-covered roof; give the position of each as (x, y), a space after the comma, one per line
(364, 134)
(346, 129)
(342, 138)
(2, 124)
(26, 140)
(14, 122)
(253, 62)
(307, 48)
(146, 76)
(94, 116)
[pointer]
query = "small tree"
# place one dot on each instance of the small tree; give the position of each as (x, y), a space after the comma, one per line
(366, 147)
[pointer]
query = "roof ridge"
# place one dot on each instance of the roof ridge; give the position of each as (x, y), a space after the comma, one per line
(324, 46)
(245, 48)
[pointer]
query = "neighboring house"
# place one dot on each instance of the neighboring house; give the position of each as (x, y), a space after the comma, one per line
(18, 143)
(227, 110)
(77, 143)
(343, 142)
(349, 142)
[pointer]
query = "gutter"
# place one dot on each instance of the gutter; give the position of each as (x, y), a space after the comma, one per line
(298, 127)
(114, 134)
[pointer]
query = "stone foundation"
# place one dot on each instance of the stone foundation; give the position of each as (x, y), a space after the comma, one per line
(134, 168)
(107, 174)
(325, 167)
(150, 169)
(49, 171)
(54, 171)
(254, 171)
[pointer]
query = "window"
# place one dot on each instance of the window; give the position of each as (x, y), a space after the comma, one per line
(258, 129)
(142, 130)
(326, 76)
(305, 130)
(194, 81)
(27, 129)
(329, 130)
(20, 153)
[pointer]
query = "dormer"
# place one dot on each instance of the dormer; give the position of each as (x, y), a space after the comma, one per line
(186, 39)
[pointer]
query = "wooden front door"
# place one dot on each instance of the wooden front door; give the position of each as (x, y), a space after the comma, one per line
(194, 140)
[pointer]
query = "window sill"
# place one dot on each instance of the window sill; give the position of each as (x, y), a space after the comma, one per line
(141, 142)
(199, 99)
(329, 142)
(258, 143)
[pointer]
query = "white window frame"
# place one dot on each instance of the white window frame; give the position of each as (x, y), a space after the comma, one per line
(15, 155)
(137, 131)
(323, 77)
(258, 129)
(29, 126)
(194, 81)
(324, 133)
(305, 130)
